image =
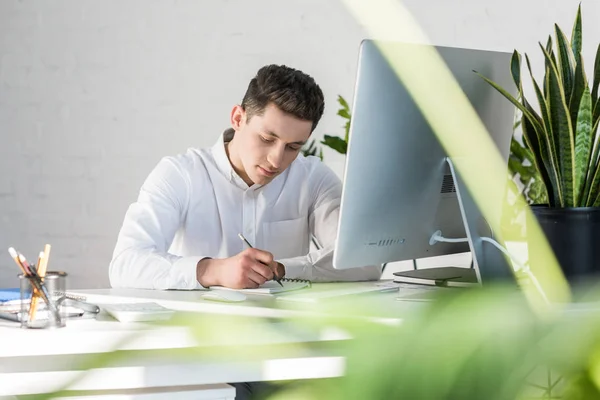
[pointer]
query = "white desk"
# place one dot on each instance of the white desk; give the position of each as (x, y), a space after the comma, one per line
(170, 357)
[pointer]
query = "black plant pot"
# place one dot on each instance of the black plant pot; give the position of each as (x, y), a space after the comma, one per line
(574, 235)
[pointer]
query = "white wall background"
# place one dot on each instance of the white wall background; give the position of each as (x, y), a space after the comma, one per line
(93, 93)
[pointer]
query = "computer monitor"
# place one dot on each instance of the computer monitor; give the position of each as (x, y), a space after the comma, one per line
(398, 189)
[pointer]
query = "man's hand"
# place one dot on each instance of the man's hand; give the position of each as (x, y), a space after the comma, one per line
(279, 270)
(248, 269)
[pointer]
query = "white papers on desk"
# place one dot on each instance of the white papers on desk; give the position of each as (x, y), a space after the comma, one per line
(272, 287)
(317, 294)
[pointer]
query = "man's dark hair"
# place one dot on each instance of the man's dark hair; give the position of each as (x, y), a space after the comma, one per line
(292, 91)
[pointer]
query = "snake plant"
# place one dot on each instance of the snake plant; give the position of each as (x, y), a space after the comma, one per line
(562, 133)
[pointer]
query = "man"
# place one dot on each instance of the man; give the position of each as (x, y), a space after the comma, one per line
(182, 232)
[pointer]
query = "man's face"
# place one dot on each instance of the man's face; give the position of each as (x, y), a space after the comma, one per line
(267, 144)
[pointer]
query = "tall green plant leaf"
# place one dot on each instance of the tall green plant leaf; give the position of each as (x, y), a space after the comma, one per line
(542, 164)
(576, 34)
(596, 76)
(579, 85)
(547, 63)
(564, 137)
(583, 146)
(528, 113)
(593, 180)
(515, 70)
(566, 61)
(596, 84)
(551, 159)
(533, 134)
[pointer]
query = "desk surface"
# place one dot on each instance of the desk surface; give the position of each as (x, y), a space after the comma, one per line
(372, 306)
(52, 358)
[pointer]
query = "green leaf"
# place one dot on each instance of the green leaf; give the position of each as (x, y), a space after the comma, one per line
(566, 61)
(515, 68)
(537, 193)
(542, 164)
(596, 75)
(525, 173)
(550, 51)
(593, 179)
(579, 85)
(596, 84)
(527, 113)
(583, 146)
(551, 160)
(547, 64)
(516, 124)
(597, 111)
(336, 143)
(347, 132)
(310, 149)
(518, 151)
(343, 113)
(596, 203)
(563, 134)
(533, 134)
(576, 34)
(343, 103)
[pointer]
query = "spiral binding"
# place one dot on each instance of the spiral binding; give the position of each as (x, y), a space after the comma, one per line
(297, 280)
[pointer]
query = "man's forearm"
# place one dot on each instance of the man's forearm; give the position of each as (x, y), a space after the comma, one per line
(148, 269)
(317, 266)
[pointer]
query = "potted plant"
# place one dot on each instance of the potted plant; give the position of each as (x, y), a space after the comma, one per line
(561, 135)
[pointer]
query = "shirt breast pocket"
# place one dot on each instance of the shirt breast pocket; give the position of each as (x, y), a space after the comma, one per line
(288, 238)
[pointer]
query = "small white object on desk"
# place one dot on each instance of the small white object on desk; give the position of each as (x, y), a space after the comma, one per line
(228, 296)
(138, 312)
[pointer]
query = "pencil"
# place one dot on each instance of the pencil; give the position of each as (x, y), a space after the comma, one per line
(36, 282)
(41, 271)
(13, 253)
(249, 245)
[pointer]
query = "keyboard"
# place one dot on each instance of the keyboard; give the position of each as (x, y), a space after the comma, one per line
(138, 312)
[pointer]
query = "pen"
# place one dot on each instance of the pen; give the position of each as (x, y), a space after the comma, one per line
(40, 287)
(249, 245)
(35, 280)
(41, 271)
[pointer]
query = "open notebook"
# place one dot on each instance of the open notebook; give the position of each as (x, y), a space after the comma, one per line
(272, 287)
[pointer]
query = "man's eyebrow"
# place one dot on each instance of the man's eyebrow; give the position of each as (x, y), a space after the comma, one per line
(300, 142)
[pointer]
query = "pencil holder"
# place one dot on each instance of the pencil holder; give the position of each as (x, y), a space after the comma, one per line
(35, 312)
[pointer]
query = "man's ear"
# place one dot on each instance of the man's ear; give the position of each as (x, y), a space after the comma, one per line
(238, 117)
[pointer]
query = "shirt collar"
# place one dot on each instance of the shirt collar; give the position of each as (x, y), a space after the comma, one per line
(223, 163)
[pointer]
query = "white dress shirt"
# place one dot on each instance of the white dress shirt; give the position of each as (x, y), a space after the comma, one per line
(194, 205)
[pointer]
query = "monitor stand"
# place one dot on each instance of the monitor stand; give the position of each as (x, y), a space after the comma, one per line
(489, 264)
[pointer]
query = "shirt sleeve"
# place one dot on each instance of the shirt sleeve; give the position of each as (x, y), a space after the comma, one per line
(141, 259)
(317, 266)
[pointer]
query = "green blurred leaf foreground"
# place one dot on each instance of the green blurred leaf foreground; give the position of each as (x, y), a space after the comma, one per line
(469, 344)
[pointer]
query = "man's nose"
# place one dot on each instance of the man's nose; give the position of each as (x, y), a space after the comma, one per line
(276, 156)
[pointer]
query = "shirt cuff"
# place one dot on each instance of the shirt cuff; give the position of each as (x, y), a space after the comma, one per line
(186, 271)
(297, 268)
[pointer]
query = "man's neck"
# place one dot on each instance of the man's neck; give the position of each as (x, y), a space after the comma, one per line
(236, 163)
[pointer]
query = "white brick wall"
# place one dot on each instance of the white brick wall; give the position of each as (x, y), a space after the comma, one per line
(93, 93)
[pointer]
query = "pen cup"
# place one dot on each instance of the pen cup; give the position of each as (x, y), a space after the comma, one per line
(42, 317)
